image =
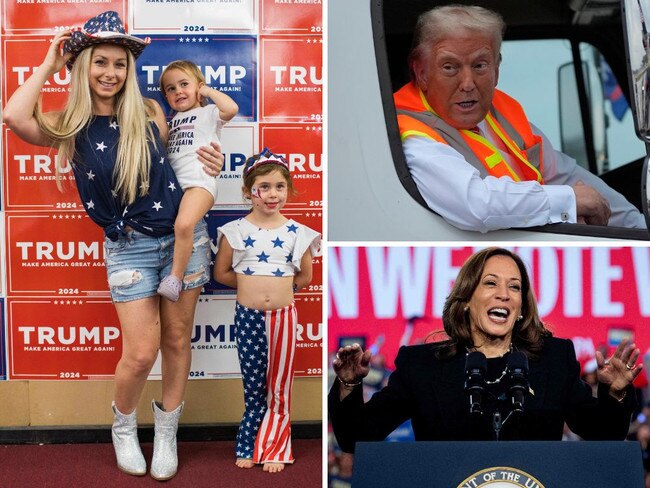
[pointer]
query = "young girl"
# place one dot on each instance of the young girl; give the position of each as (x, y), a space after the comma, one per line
(115, 141)
(267, 257)
(195, 124)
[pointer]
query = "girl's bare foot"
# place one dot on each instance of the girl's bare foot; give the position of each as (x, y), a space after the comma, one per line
(273, 467)
(244, 463)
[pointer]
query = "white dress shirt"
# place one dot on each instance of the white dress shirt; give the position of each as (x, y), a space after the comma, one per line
(445, 179)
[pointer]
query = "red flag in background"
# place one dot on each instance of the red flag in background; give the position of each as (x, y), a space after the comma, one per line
(613, 91)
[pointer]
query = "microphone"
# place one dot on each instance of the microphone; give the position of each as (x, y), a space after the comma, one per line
(517, 373)
(475, 368)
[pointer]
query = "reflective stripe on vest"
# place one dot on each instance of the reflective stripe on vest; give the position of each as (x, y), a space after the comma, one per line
(506, 118)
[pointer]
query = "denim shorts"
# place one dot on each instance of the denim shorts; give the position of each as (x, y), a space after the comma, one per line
(136, 263)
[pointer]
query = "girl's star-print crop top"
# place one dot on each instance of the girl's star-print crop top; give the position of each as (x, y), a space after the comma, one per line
(268, 252)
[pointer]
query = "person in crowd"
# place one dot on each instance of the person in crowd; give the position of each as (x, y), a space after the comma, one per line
(115, 140)
(195, 124)
(590, 376)
(267, 258)
(642, 417)
(642, 436)
(475, 157)
(492, 310)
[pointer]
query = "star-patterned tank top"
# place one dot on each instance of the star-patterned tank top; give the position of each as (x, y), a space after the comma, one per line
(268, 252)
(93, 165)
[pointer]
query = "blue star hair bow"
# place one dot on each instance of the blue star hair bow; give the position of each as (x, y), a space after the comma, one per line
(265, 157)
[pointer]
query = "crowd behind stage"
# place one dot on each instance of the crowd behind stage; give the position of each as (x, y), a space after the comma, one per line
(340, 464)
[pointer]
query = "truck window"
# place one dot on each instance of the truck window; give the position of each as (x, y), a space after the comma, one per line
(530, 72)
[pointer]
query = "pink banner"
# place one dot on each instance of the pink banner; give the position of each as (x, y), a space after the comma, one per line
(594, 296)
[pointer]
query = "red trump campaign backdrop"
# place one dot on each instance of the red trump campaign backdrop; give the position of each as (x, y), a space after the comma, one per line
(388, 297)
(265, 54)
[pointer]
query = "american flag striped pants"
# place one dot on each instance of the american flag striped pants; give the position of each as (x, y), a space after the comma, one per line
(266, 343)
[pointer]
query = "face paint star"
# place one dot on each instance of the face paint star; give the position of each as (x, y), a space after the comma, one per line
(277, 242)
(263, 257)
(100, 146)
(157, 206)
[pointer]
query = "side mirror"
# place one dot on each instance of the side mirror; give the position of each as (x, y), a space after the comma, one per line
(636, 15)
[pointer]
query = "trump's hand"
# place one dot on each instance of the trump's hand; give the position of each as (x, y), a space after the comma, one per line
(351, 365)
(591, 206)
(619, 371)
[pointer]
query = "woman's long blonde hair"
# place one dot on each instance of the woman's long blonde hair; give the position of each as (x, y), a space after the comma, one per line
(131, 173)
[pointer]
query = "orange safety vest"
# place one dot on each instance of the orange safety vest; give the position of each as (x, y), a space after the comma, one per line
(506, 118)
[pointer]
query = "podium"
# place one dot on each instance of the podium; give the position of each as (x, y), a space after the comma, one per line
(511, 464)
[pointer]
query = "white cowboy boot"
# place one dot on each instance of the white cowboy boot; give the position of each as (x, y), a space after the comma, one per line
(125, 441)
(165, 461)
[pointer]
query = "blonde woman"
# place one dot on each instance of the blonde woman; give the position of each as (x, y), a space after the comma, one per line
(115, 140)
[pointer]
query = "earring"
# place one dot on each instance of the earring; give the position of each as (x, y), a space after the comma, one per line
(520, 317)
(466, 308)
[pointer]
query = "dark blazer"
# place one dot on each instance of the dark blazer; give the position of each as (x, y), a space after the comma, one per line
(430, 392)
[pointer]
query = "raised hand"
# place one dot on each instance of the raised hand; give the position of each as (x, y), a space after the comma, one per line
(204, 90)
(620, 370)
(352, 363)
(54, 59)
